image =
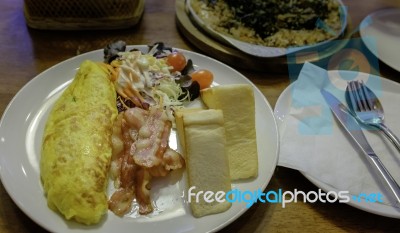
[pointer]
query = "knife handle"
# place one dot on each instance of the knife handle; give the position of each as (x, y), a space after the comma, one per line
(394, 187)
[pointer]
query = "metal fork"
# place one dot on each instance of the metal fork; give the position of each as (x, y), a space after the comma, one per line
(368, 109)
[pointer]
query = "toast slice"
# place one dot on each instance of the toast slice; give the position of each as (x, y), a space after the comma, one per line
(206, 160)
(179, 124)
(238, 106)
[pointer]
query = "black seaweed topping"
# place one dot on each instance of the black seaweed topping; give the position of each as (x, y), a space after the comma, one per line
(268, 16)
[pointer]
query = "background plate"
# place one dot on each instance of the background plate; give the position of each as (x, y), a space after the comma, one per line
(282, 108)
(380, 32)
(253, 49)
(236, 58)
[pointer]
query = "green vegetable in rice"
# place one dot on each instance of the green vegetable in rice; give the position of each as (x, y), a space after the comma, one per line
(266, 17)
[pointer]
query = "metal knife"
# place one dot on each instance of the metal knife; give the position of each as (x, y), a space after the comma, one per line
(351, 125)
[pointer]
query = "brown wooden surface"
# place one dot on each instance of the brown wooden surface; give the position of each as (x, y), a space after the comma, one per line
(25, 52)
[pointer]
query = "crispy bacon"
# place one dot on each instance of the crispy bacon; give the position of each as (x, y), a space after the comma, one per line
(142, 186)
(145, 154)
(136, 117)
(123, 168)
(171, 160)
(153, 139)
(121, 201)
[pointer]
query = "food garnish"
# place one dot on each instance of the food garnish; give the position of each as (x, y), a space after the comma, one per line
(177, 60)
(160, 76)
(203, 77)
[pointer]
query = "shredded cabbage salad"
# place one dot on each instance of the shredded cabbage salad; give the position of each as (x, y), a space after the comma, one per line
(149, 76)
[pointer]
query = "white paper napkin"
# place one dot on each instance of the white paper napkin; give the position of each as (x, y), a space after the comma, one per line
(314, 142)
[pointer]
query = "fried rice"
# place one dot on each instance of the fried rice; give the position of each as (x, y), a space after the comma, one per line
(278, 30)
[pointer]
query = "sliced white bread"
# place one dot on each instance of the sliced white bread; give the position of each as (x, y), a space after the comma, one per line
(206, 160)
(238, 106)
(179, 124)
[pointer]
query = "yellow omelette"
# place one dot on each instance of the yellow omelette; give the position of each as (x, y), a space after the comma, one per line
(76, 149)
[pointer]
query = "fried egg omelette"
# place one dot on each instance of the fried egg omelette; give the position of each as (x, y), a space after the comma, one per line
(76, 148)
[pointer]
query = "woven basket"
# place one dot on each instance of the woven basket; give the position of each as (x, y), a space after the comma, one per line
(82, 14)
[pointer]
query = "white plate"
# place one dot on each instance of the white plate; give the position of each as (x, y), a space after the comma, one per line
(259, 50)
(380, 32)
(21, 130)
(388, 88)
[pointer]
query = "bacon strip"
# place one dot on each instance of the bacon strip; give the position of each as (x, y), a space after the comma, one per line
(153, 139)
(142, 188)
(121, 201)
(123, 168)
(145, 154)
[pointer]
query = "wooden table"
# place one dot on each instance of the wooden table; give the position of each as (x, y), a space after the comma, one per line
(24, 53)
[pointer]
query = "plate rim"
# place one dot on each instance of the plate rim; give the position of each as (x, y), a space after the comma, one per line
(365, 23)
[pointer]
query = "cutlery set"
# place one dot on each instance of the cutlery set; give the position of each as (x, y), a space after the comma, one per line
(366, 110)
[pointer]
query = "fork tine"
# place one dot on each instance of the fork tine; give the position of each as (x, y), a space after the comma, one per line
(353, 96)
(367, 96)
(357, 96)
(360, 92)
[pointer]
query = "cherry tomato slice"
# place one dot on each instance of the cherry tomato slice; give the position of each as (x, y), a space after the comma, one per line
(203, 77)
(177, 60)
